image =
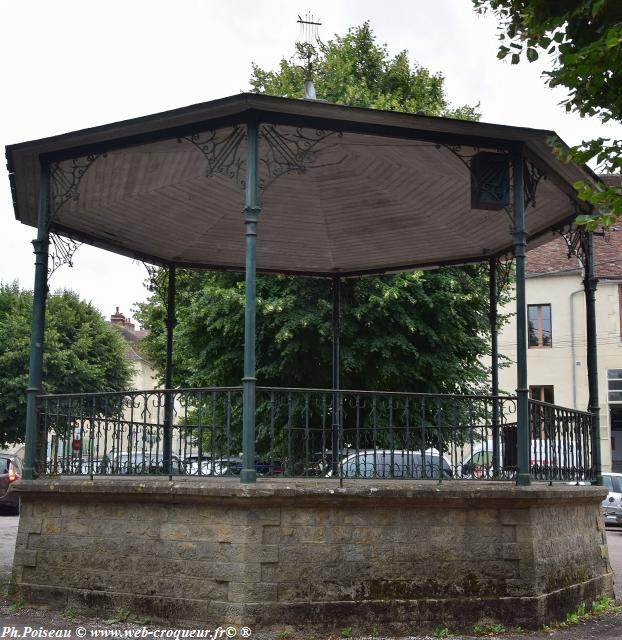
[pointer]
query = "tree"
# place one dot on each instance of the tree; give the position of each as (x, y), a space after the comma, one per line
(583, 40)
(421, 331)
(83, 353)
(354, 70)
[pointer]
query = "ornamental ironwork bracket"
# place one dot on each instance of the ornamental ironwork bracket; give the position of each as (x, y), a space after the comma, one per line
(576, 239)
(65, 178)
(575, 243)
(282, 153)
(222, 152)
(533, 175)
(61, 252)
(293, 152)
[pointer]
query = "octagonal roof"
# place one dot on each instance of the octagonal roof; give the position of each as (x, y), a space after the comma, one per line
(344, 190)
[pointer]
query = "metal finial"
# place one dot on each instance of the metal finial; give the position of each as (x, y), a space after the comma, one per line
(306, 47)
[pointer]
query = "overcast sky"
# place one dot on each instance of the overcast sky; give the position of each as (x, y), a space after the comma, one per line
(71, 64)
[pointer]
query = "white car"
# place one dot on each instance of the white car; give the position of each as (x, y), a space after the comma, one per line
(612, 504)
(397, 463)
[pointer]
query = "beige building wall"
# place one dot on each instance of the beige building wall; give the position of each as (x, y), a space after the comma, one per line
(564, 364)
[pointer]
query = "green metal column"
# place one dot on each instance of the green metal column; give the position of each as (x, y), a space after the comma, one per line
(336, 372)
(171, 321)
(494, 352)
(519, 239)
(589, 284)
(249, 381)
(35, 375)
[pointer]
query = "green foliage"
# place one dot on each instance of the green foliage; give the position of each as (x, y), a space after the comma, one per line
(421, 331)
(18, 605)
(441, 632)
(602, 605)
(71, 613)
(488, 629)
(583, 41)
(83, 353)
(575, 616)
(120, 615)
(346, 632)
(356, 71)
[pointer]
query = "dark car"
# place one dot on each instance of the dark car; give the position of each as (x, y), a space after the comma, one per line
(10, 471)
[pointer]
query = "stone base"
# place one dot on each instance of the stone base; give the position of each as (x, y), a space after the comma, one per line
(397, 556)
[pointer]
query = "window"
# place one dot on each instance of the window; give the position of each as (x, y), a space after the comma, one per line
(543, 393)
(539, 318)
(614, 385)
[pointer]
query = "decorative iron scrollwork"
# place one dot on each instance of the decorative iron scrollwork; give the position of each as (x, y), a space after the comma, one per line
(576, 243)
(281, 153)
(221, 150)
(291, 152)
(61, 252)
(533, 175)
(65, 178)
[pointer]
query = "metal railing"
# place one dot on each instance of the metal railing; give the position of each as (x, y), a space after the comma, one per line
(378, 435)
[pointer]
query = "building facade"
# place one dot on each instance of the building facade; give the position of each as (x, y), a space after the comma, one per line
(557, 360)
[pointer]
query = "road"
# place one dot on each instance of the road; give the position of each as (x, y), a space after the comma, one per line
(8, 531)
(606, 627)
(614, 542)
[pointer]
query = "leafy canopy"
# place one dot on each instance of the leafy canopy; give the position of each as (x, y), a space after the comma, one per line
(583, 41)
(420, 331)
(83, 353)
(354, 70)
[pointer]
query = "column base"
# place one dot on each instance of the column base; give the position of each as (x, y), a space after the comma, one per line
(523, 480)
(248, 476)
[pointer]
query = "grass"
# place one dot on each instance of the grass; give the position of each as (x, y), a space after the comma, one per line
(71, 613)
(120, 615)
(582, 613)
(346, 632)
(488, 629)
(282, 635)
(441, 632)
(18, 605)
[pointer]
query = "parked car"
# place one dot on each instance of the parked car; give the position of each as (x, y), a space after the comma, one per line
(192, 464)
(612, 504)
(228, 466)
(235, 466)
(137, 463)
(10, 471)
(385, 463)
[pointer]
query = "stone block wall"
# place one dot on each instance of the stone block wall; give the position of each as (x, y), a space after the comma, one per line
(399, 556)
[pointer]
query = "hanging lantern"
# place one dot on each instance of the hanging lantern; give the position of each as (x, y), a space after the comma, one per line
(490, 181)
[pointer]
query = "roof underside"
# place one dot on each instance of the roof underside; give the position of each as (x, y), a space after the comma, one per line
(343, 191)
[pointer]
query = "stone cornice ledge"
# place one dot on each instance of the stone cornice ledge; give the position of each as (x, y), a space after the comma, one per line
(298, 491)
